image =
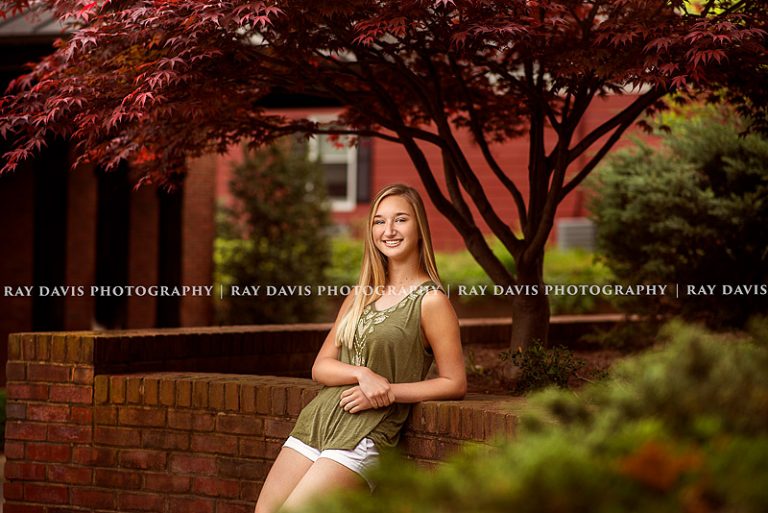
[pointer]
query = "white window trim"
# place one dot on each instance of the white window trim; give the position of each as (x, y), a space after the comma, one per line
(350, 202)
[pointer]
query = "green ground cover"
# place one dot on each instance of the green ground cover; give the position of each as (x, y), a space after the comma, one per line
(678, 428)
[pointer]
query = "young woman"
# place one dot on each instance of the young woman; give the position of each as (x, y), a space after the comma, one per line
(374, 360)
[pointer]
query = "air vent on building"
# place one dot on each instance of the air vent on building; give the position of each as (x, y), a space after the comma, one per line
(576, 232)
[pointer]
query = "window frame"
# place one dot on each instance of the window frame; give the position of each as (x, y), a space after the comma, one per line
(349, 158)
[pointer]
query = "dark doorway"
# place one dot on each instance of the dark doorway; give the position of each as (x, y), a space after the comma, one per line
(112, 232)
(50, 236)
(170, 204)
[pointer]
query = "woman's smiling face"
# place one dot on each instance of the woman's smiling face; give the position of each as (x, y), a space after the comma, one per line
(395, 229)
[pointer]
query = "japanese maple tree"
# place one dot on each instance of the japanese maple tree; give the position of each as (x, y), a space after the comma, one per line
(158, 81)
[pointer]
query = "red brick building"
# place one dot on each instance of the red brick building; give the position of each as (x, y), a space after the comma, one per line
(87, 227)
(354, 175)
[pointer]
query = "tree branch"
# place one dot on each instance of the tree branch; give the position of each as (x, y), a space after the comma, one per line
(469, 180)
(486, 151)
(581, 175)
(630, 112)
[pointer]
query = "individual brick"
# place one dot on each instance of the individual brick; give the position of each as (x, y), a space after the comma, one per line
(196, 505)
(49, 372)
(167, 392)
(69, 474)
(117, 389)
(142, 459)
(46, 493)
(133, 390)
(91, 498)
(189, 464)
(204, 421)
(167, 483)
(277, 428)
(117, 479)
(141, 502)
(215, 444)
(14, 450)
(239, 424)
(179, 419)
(17, 430)
(234, 507)
(216, 396)
(29, 346)
(252, 448)
(278, 401)
(247, 398)
(15, 371)
(105, 415)
(151, 391)
(183, 393)
(232, 396)
(60, 453)
(165, 439)
(16, 410)
(216, 487)
(100, 389)
(137, 416)
(116, 436)
(81, 414)
(48, 412)
(95, 456)
(80, 394)
(14, 347)
(25, 471)
(69, 433)
(74, 349)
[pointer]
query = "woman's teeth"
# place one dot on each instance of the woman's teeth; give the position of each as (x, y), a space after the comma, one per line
(391, 243)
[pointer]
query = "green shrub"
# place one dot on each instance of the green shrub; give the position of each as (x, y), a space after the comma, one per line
(691, 212)
(676, 429)
(275, 234)
(540, 367)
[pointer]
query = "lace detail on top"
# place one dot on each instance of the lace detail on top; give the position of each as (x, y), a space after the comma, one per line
(371, 317)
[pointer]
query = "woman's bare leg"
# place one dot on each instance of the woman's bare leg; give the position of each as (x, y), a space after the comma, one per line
(286, 472)
(323, 476)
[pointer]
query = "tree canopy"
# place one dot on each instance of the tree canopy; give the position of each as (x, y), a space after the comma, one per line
(159, 81)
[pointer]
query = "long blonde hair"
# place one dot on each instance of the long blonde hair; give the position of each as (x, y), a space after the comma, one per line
(373, 272)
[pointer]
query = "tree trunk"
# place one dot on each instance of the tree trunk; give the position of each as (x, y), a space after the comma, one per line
(530, 312)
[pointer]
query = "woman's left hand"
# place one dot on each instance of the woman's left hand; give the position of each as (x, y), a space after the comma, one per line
(354, 400)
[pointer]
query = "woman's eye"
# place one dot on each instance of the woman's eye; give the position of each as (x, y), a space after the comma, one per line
(400, 219)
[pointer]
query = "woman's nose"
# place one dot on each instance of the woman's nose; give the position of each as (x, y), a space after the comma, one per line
(389, 227)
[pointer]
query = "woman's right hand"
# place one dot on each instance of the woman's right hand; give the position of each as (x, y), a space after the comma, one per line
(375, 387)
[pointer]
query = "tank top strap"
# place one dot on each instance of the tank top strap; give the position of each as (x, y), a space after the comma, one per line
(418, 295)
(425, 287)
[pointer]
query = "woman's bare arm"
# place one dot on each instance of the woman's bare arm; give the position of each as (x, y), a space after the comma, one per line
(330, 371)
(441, 327)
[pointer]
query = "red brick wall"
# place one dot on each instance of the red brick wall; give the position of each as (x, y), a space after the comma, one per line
(171, 441)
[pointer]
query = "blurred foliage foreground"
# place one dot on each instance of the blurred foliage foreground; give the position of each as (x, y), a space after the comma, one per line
(677, 429)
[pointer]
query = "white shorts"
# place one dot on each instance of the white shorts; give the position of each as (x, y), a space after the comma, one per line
(357, 460)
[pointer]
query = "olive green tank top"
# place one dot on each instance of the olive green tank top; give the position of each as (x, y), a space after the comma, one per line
(390, 343)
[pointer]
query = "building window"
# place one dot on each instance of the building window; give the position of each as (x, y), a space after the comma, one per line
(339, 161)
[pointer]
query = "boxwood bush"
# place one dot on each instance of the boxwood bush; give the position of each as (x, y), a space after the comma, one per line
(691, 212)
